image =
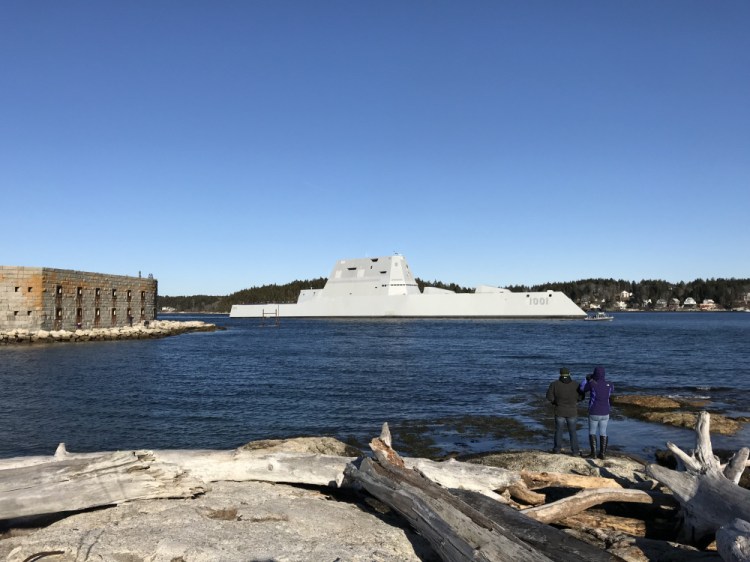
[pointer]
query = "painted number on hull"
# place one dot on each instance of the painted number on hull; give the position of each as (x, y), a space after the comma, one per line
(539, 301)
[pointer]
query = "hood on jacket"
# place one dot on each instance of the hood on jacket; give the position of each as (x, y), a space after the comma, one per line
(598, 374)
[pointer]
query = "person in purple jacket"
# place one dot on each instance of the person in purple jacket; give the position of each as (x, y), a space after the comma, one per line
(600, 398)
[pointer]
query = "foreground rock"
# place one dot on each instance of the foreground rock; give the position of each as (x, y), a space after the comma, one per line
(618, 468)
(721, 424)
(155, 329)
(233, 521)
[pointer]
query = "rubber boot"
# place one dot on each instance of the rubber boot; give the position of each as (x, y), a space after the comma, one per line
(602, 446)
(592, 442)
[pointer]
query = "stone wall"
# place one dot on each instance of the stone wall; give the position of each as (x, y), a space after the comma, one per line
(21, 297)
(36, 298)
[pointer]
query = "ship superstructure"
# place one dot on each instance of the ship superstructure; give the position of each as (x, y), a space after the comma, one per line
(386, 287)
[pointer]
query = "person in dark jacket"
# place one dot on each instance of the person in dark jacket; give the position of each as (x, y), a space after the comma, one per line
(600, 396)
(563, 393)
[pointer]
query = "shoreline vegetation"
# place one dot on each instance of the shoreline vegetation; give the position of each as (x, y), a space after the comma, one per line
(318, 498)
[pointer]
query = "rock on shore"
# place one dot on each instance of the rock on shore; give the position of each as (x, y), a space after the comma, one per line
(155, 329)
(262, 521)
(676, 412)
(618, 467)
(233, 521)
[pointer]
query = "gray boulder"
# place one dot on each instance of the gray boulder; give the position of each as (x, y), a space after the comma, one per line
(234, 521)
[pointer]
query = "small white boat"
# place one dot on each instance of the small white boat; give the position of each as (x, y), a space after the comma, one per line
(599, 316)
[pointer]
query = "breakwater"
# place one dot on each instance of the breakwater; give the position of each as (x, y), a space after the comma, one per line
(142, 330)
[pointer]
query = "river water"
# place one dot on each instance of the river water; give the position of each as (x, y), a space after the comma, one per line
(454, 386)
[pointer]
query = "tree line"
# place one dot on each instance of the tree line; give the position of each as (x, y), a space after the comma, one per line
(644, 294)
(264, 294)
(726, 293)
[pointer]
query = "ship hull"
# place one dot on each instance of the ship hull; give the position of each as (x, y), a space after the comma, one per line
(461, 305)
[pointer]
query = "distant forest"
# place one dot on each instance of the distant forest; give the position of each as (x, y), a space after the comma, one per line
(607, 293)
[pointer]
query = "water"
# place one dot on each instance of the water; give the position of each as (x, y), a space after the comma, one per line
(461, 383)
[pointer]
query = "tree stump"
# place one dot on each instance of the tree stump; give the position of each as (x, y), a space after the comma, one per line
(708, 492)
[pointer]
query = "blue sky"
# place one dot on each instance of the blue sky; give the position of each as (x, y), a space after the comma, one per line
(221, 145)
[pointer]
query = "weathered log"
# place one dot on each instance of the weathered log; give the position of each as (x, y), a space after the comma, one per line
(707, 491)
(242, 465)
(708, 502)
(733, 541)
(536, 480)
(39, 476)
(486, 480)
(293, 468)
(456, 530)
(588, 521)
(567, 507)
(737, 465)
(230, 465)
(559, 545)
(74, 481)
(521, 493)
(83, 483)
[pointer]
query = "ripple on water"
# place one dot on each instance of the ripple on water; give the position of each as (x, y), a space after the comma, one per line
(345, 378)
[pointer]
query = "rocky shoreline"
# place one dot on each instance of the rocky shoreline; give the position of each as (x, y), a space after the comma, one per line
(675, 412)
(154, 329)
(264, 521)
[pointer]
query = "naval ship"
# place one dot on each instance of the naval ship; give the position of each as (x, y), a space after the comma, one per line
(385, 287)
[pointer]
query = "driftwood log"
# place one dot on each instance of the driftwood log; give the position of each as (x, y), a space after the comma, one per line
(211, 465)
(535, 480)
(708, 491)
(464, 476)
(70, 484)
(32, 486)
(733, 541)
(567, 507)
(608, 523)
(462, 525)
(75, 481)
(556, 544)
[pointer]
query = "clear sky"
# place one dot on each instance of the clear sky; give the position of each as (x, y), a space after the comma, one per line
(225, 144)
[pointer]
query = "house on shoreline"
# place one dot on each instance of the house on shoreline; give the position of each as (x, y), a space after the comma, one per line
(43, 298)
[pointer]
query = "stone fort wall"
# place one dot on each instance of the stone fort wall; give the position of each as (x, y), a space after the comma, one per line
(40, 298)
